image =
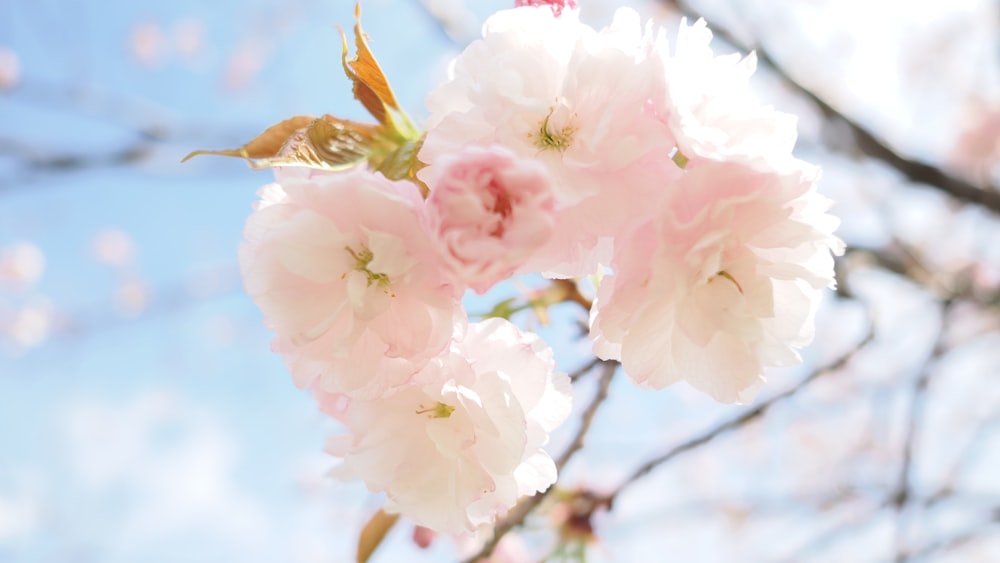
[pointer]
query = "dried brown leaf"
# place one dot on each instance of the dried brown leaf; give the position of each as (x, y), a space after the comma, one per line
(266, 144)
(325, 143)
(371, 87)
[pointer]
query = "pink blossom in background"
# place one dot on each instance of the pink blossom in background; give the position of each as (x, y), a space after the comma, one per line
(245, 63)
(977, 151)
(188, 37)
(148, 43)
(113, 246)
(348, 279)
(556, 5)
(29, 325)
(21, 265)
(131, 298)
(10, 68)
(489, 210)
(722, 283)
(554, 89)
(463, 442)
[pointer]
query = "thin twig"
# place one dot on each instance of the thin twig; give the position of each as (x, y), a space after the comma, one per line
(860, 518)
(749, 415)
(584, 369)
(587, 418)
(901, 497)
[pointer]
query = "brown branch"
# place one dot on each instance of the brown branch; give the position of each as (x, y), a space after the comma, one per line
(866, 142)
(584, 369)
(36, 159)
(587, 418)
(738, 422)
(521, 511)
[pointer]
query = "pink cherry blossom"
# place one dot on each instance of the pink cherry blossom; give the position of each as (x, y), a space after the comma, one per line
(577, 100)
(722, 283)
(346, 275)
(489, 210)
(465, 440)
(708, 105)
(556, 5)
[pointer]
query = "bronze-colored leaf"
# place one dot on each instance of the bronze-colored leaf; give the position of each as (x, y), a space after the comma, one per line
(328, 143)
(370, 85)
(267, 143)
(373, 533)
(325, 143)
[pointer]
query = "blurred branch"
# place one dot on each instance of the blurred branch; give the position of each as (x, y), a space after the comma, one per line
(587, 418)
(149, 123)
(991, 526)
(521, 511)
(898, 258)
(866, 142)
(736, 423)
(975, 444)
(860, 518)
(68, 162)
(584, 369)
(901, 497)
(147, 119)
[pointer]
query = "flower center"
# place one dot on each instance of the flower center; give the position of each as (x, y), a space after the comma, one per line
(546, 138)
(502, 206)
(440, 410)
(361, 261)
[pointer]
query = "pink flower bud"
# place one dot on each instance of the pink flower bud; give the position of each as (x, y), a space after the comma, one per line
(423, 537)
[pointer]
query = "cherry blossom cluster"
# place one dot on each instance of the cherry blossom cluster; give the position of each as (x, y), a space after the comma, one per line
(558, 149)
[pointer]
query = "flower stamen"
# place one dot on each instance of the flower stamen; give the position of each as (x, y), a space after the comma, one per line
(361, 261)
(728, 276)
(440, 410)
(558, 141)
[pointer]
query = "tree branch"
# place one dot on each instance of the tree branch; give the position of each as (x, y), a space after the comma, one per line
(587, 418)
(866, 142)
(749, 415)
(901, 497)
(584, 369)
